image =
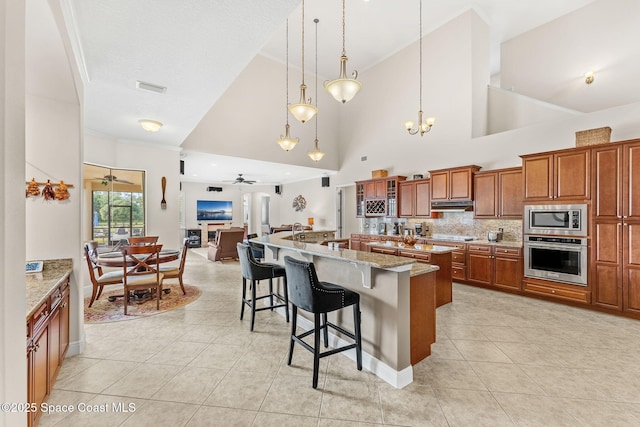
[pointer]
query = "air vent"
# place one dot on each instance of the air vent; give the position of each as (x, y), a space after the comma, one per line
(150, 87)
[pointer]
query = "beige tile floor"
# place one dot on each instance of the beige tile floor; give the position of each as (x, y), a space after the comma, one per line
(499, 360)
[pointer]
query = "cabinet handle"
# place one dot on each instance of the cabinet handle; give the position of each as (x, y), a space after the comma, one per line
(625, 224)
(36, 347)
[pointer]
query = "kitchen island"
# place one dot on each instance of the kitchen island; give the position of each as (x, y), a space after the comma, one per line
(424, 253)
(397, 301)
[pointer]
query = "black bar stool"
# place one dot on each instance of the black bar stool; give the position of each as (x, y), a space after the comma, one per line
(320, 298)
(255, 271)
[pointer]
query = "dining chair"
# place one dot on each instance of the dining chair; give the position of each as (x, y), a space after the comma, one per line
(141, 271)
(99, 279)
(172, 272)
(143, 240)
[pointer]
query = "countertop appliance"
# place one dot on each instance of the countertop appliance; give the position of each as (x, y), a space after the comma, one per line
(565, 220)
(562, 259)
(495, 236)
(453, 237)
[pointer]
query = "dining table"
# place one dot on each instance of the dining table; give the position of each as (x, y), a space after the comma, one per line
(116, 259)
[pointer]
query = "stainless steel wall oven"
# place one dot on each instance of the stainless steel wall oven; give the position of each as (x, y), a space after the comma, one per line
(562, 259)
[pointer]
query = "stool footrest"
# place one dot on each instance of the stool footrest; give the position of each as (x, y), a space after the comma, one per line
(323, 354)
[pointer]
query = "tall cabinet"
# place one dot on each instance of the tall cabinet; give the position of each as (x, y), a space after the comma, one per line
(615, 226)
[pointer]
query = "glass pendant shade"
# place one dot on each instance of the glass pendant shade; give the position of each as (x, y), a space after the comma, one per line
(316, 155)
(303, 111)
(343, 89)
(286, 142)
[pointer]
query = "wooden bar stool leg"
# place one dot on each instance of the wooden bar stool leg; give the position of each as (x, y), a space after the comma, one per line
(271, 293)
(286, 297)
(356, 329)
(253, 302)
(244, 297)
(316, 348)
(325, 331)
(294, 312)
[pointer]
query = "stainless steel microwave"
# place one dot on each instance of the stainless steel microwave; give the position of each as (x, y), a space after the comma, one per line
(564, 220)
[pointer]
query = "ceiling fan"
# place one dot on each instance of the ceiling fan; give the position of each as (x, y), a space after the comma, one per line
(111, 178)
(241, 180)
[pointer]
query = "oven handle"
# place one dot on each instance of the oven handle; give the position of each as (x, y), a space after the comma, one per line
(576, 248)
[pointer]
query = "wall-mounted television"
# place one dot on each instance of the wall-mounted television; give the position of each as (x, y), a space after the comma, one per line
(214, 210)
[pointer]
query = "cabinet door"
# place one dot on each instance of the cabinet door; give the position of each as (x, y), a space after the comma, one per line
(508, 272)
(510, 193)
(572, 175)
(538, 177)
(479, 268)
(354, 244)
(486, 195)
(54, 344)
(631, 266)
(380, 188)
(423, 199)
(64, 324)
(461, 187)
(439, 186)
(631, 195)
(38, 370)
(360, 195)
(406, 193)
(607, 183)
(606, 263)
(369, 190)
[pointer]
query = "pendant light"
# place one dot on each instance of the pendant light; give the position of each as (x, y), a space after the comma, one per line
(316, 155)
(304, 110)
(286, 142)
(423, 126)
(343, 89)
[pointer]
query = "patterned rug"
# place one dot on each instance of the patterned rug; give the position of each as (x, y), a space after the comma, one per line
(104, 310)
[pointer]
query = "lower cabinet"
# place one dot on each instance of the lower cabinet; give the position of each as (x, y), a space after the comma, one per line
(556, 290)
(494, 266)
(47, 344)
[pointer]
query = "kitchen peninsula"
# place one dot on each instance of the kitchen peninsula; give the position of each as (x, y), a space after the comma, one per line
(397, 298)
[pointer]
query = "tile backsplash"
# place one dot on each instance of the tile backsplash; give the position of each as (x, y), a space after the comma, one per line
(458, 223)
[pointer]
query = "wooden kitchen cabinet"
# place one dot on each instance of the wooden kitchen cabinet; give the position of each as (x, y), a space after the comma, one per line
(494, 266)
(378, 197)
(47, 344)
(498, 194)
(615, 227)
(562, 175)
(414, 199)
(452, 184)
(375, 189)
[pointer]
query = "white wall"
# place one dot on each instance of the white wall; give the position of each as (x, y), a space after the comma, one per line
(321, 205)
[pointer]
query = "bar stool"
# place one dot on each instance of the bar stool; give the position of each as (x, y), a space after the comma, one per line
(255, 271)
(320, 298)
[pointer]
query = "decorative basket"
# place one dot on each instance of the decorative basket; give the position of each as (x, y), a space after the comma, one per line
(379, 173)
(593, 136)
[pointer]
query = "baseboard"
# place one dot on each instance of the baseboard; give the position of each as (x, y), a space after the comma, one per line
(76, 347)
(398, 379)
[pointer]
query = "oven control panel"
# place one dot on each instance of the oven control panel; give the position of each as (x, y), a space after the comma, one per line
(557, 240)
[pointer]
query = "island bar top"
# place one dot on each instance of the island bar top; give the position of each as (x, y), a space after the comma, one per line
(40, 285)
(420, 247)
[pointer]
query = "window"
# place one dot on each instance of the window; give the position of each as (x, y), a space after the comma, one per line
(117, 203)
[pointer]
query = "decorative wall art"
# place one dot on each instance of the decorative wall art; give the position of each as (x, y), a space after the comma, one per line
(299, 203)
(60, 192)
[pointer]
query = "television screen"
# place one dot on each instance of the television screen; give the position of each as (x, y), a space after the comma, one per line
(214, 210)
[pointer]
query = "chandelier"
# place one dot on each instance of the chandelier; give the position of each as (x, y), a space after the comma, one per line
(286, 142)
(343, 89)
(316, 155)
(304, 110)
(426, 125)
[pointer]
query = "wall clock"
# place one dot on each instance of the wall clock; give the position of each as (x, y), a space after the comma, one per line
(299, 203)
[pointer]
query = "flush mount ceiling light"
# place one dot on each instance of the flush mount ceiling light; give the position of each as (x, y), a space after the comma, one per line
(589, 77)
(150, 125)
(316, 155)
(343, 89)
(286, 142)
(423, 126)
(304, 110)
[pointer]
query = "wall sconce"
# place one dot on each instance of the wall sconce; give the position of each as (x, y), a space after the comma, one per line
(588, 77)
(310, 222)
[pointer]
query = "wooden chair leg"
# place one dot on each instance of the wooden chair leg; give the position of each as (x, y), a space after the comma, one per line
(100, 288)
(126, 300)
(181, 285)
(271, 293)
(253, 303)
(316, 348)
(357, 333)
(244, 297)
(294, 313)
(325, 330)
(94, 294)
(286, 297)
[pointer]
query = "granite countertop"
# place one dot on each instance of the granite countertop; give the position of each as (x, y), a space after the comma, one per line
(421, 268)
(373, 259)
(417, 247)
(40, 285)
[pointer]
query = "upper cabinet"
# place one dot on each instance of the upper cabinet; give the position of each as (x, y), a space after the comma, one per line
(378, 197)
(498, 194)
(414, 200)
(559, 175)
(454, 184)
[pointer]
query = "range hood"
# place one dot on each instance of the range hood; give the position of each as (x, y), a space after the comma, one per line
(452, 206)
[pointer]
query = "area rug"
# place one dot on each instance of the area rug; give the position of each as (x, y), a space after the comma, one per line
(103, 310)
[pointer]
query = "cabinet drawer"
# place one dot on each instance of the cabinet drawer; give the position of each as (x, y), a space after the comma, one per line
(56, 297)
(458, 272)
(507, 251)
(423, 257)
(458, 257)
(562, 293)
(385, 251)
(479, 248)
(39, 318)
